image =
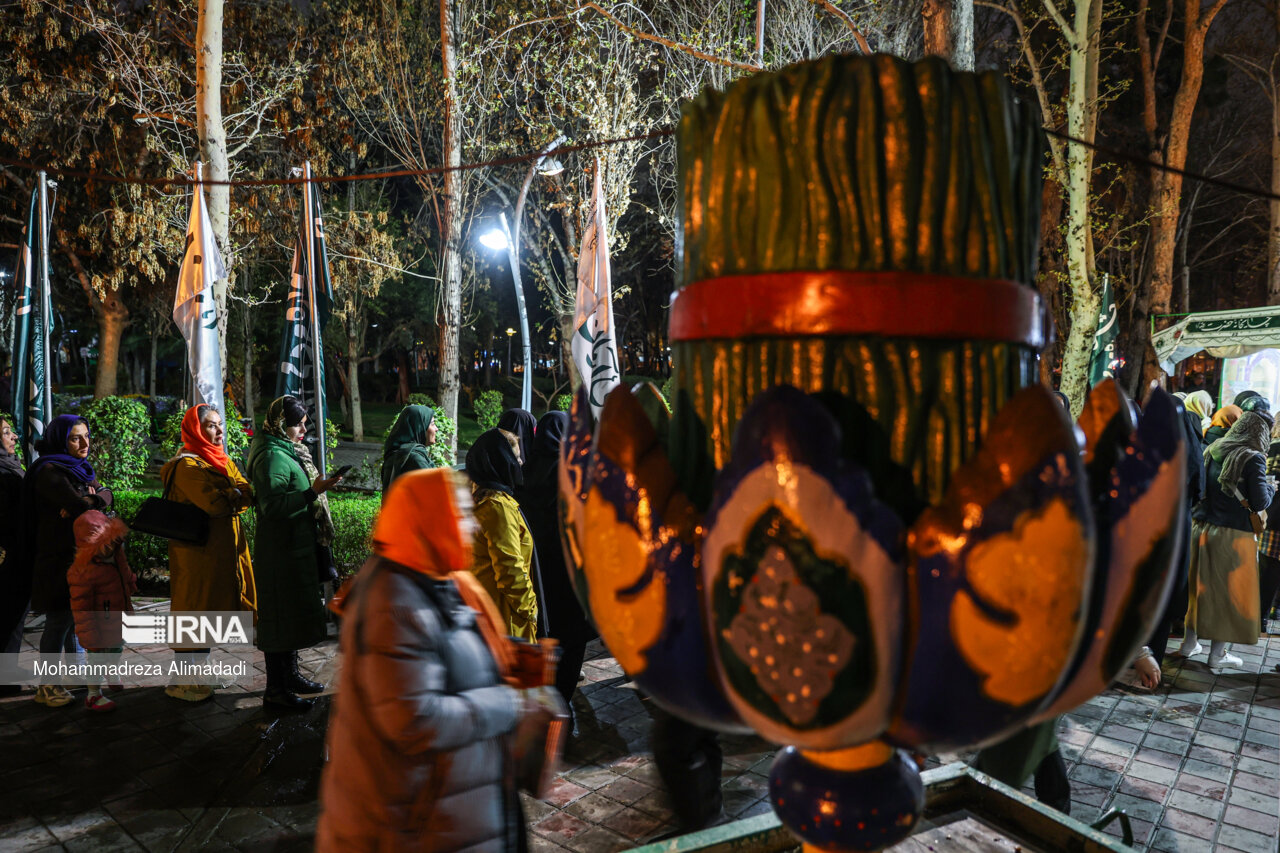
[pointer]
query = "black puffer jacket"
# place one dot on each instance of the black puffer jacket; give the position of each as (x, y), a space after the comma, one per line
(538, 497)
(15, 567)
(417, 759)
(1195, 458)
(55, 500)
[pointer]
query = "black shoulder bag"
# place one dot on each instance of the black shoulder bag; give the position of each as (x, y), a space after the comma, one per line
(168, 519)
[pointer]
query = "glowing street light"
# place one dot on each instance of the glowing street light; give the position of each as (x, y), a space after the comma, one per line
(495, 239)
(508, 239)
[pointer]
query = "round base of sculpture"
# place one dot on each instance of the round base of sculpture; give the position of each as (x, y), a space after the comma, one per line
(863, 798)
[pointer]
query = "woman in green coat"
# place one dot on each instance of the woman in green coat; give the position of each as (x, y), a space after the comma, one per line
(293, 524)
(406, 448)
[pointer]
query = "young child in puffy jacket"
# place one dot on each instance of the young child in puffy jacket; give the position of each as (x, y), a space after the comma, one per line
(101, 584)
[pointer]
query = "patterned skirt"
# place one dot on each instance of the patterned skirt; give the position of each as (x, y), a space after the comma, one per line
(1222, 591)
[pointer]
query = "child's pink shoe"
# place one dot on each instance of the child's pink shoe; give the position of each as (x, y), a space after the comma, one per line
(98, 703)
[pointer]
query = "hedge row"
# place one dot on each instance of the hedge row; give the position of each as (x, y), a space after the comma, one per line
(353, 518)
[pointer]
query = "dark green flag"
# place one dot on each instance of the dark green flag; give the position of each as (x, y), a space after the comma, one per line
(30, 336)
(1102, 363)
(298, 377)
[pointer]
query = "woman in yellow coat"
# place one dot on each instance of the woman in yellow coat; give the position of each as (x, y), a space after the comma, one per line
(217, 575)
(503, 546)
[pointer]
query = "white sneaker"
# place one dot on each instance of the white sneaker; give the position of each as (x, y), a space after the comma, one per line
(1190, 652)
(1227, 659)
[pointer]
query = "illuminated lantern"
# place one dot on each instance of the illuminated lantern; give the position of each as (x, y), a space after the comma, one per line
(863, 528)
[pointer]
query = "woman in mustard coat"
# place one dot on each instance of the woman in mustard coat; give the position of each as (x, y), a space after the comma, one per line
(503, 546)
(217, 575)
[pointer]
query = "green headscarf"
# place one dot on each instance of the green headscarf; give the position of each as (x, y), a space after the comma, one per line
(274, 426)
(406, 446)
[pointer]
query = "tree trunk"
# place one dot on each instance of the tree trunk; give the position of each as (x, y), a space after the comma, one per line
(948, 31)
(451, 226)
(246, 329)
(760, 33)
(566, 351)
(213, 147)
(1273, 234)
(151, 371)
(1082, 106)
(353, 387)
(112, 319)
(402, 372)
(250, 381)
(1167, 191)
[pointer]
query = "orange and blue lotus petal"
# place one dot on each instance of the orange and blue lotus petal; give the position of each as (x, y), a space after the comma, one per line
(803, 572)
(999, 575)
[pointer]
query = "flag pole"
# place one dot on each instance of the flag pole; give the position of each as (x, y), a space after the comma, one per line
(46, 307)
(317, 379)
(189, 384)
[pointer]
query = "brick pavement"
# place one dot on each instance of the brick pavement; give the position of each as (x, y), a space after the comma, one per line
(1196, 764)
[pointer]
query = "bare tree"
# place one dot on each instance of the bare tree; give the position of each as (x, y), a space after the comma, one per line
(213, 145)
(147, 56)
(606, 87)
(948, 31)
(366, 254)
(1169, 146)
(402, 82)
(1074, 42)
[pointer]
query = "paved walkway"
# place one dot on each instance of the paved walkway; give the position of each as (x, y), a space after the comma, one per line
(1196, 764)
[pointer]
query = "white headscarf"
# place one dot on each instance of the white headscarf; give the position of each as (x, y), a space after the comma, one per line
(1200, 403)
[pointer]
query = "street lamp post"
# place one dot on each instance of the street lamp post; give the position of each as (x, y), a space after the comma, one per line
(510, 236)
(510, 332)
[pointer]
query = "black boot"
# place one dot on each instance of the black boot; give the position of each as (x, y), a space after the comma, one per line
(1052, 787)
(299, 683)
(277, 696)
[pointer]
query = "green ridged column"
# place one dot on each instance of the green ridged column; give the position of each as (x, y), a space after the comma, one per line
(861, 164)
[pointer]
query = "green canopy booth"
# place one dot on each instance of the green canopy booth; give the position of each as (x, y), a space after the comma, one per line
(1247, 340)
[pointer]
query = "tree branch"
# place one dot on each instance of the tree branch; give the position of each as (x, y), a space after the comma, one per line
(1066, 28)
(665, 42)
(1037, 82)
(1206, 19)
(844, 18)
(1164, 35)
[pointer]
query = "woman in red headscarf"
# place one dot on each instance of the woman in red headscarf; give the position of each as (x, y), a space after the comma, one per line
(218, 574)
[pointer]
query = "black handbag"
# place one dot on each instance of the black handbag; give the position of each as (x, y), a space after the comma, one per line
(326, 572)
(172, 520)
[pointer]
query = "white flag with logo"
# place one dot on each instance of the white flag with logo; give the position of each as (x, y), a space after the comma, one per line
(195, 309)
(594, 346)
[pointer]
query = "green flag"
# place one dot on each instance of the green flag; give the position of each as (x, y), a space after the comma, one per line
(31, 409)
(1102, 363)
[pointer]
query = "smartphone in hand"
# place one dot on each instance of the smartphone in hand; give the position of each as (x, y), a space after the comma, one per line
(341, 472)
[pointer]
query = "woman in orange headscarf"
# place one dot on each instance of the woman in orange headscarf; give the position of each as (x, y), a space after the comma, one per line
(218, 574)
(417, 741)
(1222, 421)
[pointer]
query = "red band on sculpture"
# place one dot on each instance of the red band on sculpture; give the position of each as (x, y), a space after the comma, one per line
(838, 302)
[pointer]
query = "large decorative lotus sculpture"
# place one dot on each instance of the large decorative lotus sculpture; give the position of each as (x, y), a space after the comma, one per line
(863, 528)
